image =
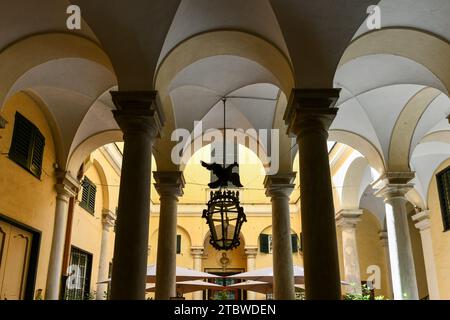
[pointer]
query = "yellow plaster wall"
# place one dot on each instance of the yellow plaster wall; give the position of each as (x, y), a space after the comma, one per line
(23, 197)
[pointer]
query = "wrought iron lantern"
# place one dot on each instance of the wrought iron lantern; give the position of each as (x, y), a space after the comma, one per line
(224, 217)
(224, 214)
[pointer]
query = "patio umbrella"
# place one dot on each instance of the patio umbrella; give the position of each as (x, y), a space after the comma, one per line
(256, 286)
(189, 286)
(182, 274)
(266, 275)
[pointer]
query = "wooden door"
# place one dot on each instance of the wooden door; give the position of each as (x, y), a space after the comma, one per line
(15, 249)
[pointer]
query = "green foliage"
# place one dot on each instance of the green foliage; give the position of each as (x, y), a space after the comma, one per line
(366, 294)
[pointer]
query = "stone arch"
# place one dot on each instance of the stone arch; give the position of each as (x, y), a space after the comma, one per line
(424, 48)
(402, 135)
(351, 191)
(23, 55)
(360, 144)
(104, 184)
(90, 144)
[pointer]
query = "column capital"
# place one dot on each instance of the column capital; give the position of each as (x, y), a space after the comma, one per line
(383, 236)
(169, 183)
(197, 252)
(138, 111)
(251, 252)
(422, 220)
(348, 218)
(280, 185)
(108, 218)
(393, 184)
(310, 108)
(66, 185)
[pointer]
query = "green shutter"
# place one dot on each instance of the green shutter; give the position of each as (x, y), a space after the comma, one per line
(178, 243)
(27, 145)
(264, 243)
(294, 239)
(443, 182)
(88, 195)
(301, 242)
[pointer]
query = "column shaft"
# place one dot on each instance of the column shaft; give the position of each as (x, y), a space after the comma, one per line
(308, 116)
(404, 285)
(107, 222)
(140, 120)
(424, 225)
(279, 188)
(66, 187)
(251, 261)
(169, 185)
(347, 220)
(197, 255)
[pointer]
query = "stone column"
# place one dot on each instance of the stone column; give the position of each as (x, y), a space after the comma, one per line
(197, 255)
(169, 185)
(140, 118)
(385, 245)
(251, 253)
(279, 187)
(423, 223)
(66, 187)
(393, 186)
(347, 220)
(308, 116)
(108, 219)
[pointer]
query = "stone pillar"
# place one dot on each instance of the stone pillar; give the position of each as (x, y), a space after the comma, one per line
(347, 220)
(66, 187)
(141, 119)
(169, 185)
(251, 253)
(385, 245)
(108, 219)
(393, 186)
(308, 116)
(279, 187)
(197, 255)
(423, 223)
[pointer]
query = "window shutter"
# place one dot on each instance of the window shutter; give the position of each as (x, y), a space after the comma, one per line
(178, 243)
(38, 153)
(21, 141)
(264, 243)
(443, 182)
(88, 195)
(294, 239)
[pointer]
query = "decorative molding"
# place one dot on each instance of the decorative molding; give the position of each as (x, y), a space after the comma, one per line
(108, 218)
(251, 252)
(138, 111)
(422, 219)
(393, 184)
(169, 183)
(310, 108)
(281, 184)
(197, 252)
(348, 218)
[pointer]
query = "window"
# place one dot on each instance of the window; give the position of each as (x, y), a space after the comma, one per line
(27, 146)
(178, 243)
(88, 195)
(265, 243)
(232, 155)
(443, 183)
(78, 282)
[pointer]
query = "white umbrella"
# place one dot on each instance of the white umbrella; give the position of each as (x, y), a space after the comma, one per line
(266, 275)
(189, 286)
(256, 286)
(182, 274)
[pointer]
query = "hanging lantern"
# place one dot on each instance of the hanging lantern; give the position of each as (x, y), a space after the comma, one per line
(224, 217)
(224, 214)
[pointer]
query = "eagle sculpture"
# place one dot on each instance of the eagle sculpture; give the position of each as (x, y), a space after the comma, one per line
(224, 175)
